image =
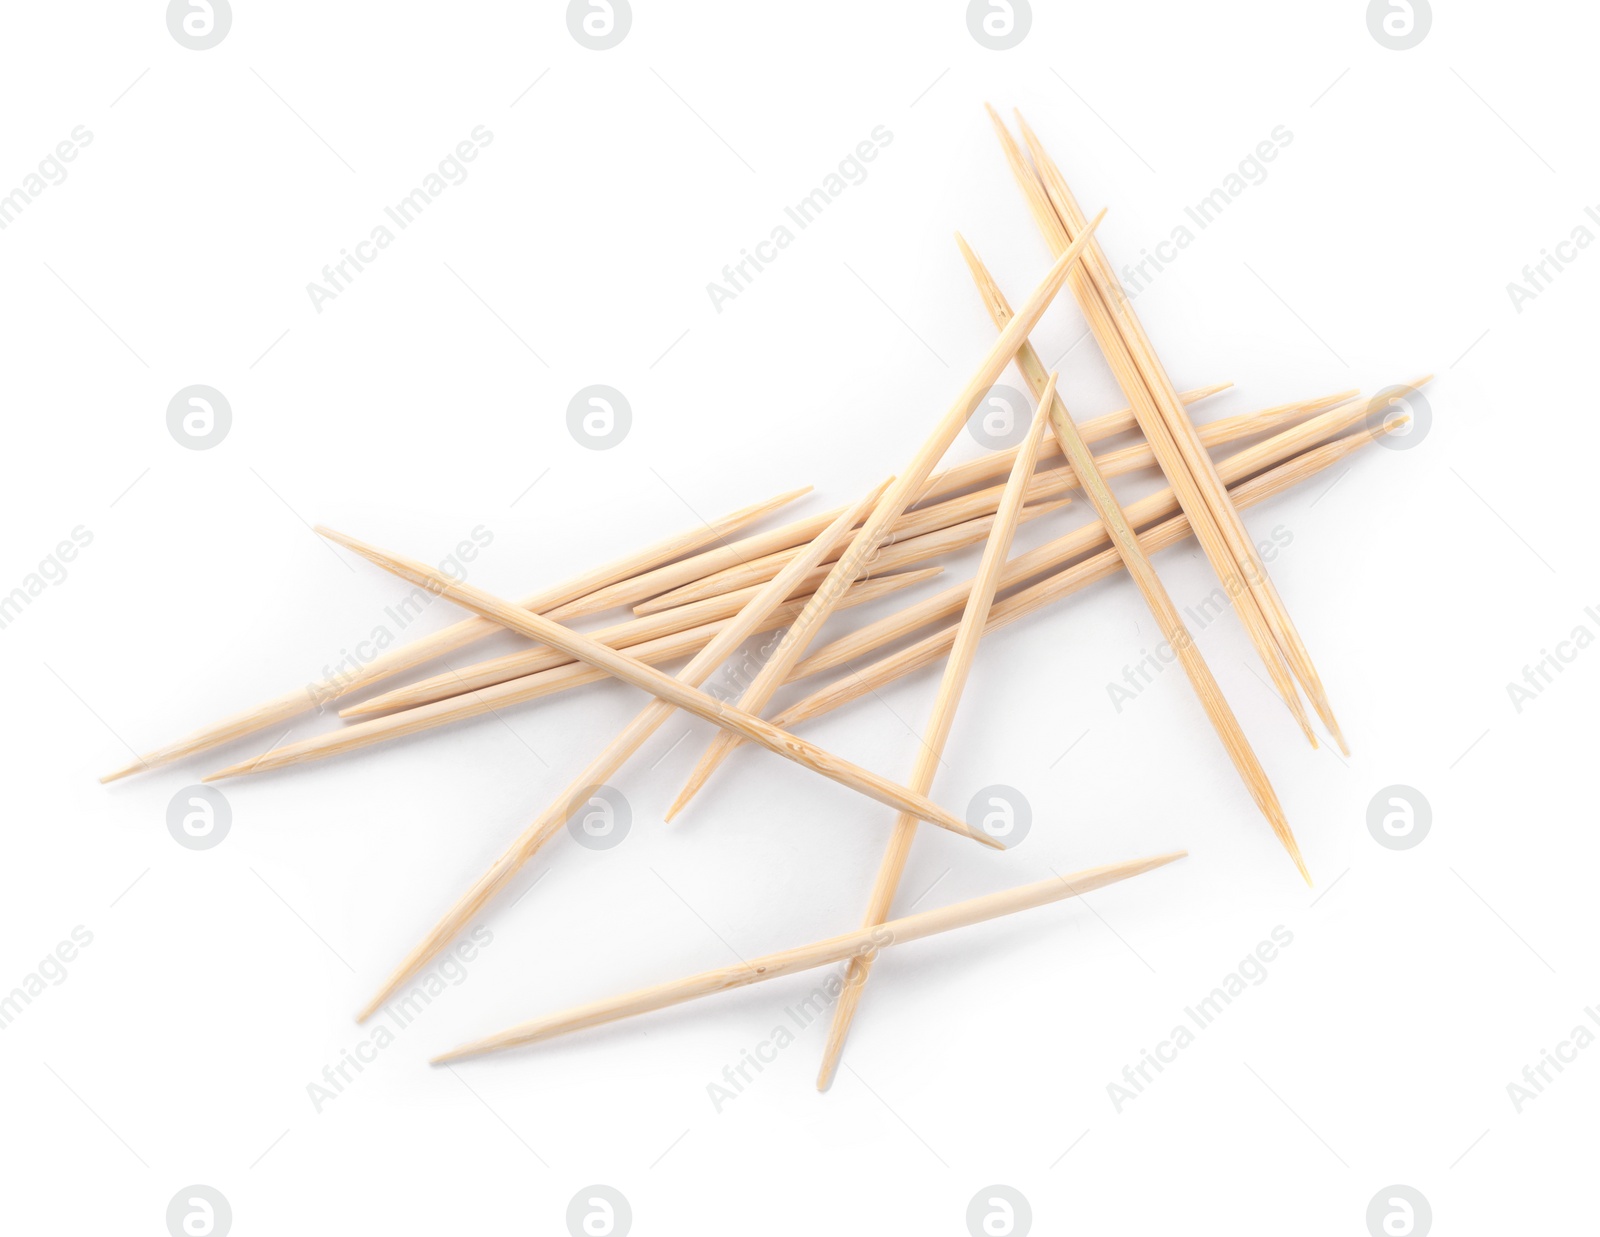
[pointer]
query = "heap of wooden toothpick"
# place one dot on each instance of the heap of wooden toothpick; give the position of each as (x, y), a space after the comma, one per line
(699, 596)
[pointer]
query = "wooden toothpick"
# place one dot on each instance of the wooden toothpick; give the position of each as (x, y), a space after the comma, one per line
(1173, 630)
(1165, 435)
(931, 751)
(863, 680)
(1250, 567)
(392, 661)
(605, 766)
(890, 506)
(861, 942)
(648, 678)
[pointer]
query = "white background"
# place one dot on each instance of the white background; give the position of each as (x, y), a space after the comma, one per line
(428, 398)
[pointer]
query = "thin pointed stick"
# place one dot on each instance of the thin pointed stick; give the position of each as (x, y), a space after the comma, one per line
(929, 545)
(1244, 551)
(940, 485)
(1079, 541)
(648, 678)
(623, 635)
(1126, 544)
(892, 559)
(566, 675)
(867, 679)
(1175, 632)
(1045, 484)
(937, 733)
(616, 753)
(315, 695)
(861, 942)
(1163, 433)
(890, 506)
(915, 549)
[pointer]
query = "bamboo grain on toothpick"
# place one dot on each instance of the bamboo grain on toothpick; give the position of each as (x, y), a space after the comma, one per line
(1161, 431)
(930, 753)
(900, 495)
(864, 680)
(393, 661)
(616, 753)
(647, 678)
(807, 957)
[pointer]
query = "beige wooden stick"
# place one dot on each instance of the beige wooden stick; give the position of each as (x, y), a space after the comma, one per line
(940, 485)
(427, 716)
(937, 733)
(1080, 540)
(598, 771)
(863, 641)
(633, 632)
(558, 678)
(900, 495)
(710, 603)
(1176, 634)
(1045, 484)
(648, 678)
(906, 553)
(1173, 630)
(863, 941)
(1093, 301)
(1062, 550)
(921, 527)
(866, 679)
(315, 695)
(1250, 566)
